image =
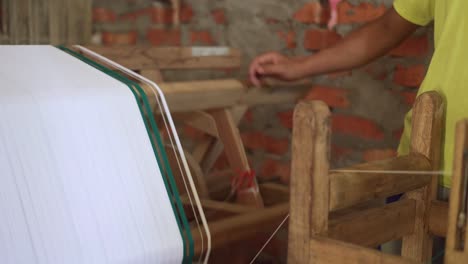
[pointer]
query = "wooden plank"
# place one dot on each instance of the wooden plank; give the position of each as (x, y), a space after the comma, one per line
(243, 226)
(202, 95)
(309, 181)
(374, 226)
(274, 193)
(168, 58)
(354, 185)
(456, 248)
(57, 22)
(438, 220)
(79, 22)
(235, 153)
(199, 120)
(217, 147)
(327, 251)
(201, 149)
(427, 123)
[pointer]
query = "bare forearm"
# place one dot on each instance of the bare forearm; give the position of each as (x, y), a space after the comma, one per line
(360, 47)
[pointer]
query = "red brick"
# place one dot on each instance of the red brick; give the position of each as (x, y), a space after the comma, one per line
(249, 117)
(186, 13)
(219, 16)
(201, 37)
(167, 37)
(408, 97)
(289, 37)
(273, 168)
(378, 154)
(412, 47)
(286, 118)
(162, 15)
(278, 146)
(316, 39)
(411, 76)
(357, 127)
(132, 16)
(334, 97)
(258, 141)
(119, 38)
(101, 14)
(364, 12)
(312, 13)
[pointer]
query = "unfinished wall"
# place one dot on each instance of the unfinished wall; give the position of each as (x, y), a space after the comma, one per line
(368, 104)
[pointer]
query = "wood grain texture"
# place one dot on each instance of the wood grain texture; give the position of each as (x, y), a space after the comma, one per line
(427, 123)
(351, 188)
(235, 153)
(438, 220)
(243, 226)
(454, 254)
(309, 182)
(327, 251)
(167, 58)
(374, 226)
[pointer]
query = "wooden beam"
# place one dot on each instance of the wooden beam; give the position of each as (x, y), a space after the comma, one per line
(235, 153)
(199, 120)
(328, 251)
(171, 58)
(243, 226)
(274, 193)
(354, 185)
(457, 235)
(374, 226)
(309, 181)
(202, 95)
(427, 123)
(438, 220)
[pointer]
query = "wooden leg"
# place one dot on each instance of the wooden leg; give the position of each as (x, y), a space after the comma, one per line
(309, 179)
(426, 140)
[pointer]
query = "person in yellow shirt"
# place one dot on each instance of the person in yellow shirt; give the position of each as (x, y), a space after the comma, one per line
(447, 73)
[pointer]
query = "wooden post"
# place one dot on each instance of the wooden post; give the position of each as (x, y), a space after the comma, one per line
(235, 153)
(457, 252)
(428, 115)
(309, 178)
(47, 21)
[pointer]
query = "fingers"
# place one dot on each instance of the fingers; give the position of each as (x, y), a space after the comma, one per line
(257, 67)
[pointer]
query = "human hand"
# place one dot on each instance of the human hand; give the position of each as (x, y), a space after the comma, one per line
(275, 65)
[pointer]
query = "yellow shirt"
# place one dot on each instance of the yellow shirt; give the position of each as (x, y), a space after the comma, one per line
(448, 71)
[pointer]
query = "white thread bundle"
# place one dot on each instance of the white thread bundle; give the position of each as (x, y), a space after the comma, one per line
(79, 182)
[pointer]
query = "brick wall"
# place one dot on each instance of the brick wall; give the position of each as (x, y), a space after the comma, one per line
(368, 104)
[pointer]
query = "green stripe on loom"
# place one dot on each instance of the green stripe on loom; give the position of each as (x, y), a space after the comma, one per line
(174, 196)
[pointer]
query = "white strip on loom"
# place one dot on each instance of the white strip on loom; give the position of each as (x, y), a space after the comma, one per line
(177, 141)
(87, 176)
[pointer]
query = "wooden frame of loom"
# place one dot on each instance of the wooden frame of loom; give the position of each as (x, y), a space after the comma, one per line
(340, 225)
(214, 107)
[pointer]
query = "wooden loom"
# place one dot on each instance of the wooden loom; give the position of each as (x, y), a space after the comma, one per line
(340, 225)
(214, 107)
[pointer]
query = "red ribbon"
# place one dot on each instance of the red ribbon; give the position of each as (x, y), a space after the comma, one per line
(243, 180)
